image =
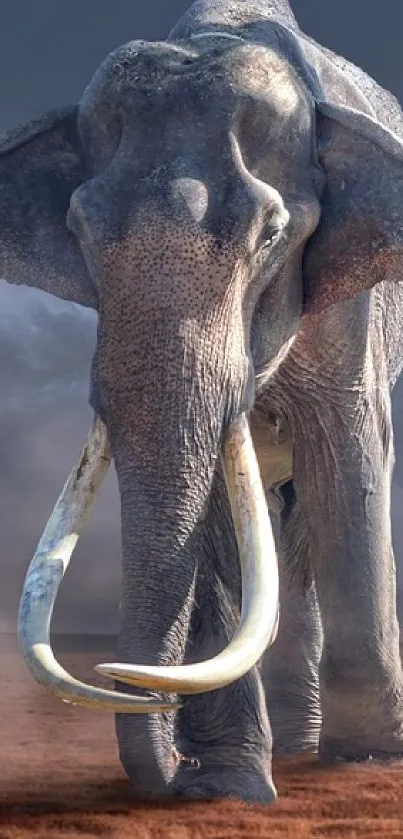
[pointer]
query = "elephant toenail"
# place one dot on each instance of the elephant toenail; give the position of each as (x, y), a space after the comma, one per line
(188, 762)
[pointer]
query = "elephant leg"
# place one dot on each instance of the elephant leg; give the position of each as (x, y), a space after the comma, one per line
(223, 737)
(290, 669)
(342, 476)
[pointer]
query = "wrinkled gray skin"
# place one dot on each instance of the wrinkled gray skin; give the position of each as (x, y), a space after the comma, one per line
(210, 303)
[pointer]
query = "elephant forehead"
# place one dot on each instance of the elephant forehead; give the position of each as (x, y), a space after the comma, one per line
(185, 71)
(261, 71)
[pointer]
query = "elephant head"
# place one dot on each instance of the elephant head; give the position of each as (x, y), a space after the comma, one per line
(203, 203)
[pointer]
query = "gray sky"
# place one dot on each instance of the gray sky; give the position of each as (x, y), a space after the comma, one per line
(48, 52)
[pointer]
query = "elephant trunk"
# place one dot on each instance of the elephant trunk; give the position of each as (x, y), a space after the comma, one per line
(161, 541)
(163, 537)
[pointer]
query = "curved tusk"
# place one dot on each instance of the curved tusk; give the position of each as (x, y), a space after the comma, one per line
(259, 569)
(45, 574)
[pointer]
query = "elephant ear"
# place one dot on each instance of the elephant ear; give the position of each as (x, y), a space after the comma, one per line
(40, 167)
(359, 239)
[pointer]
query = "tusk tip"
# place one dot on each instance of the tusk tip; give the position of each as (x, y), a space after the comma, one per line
(119, 674)
(105, 670)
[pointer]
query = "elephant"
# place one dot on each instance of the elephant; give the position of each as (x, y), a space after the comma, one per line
(230, 202)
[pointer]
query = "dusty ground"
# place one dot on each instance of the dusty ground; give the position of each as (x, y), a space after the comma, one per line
(60, 779)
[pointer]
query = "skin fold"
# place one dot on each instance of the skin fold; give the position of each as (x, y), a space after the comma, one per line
(230, 201)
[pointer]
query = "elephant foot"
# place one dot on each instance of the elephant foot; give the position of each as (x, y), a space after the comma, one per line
(244, 785)
(360, 750)
(240, 777)
(376, 735)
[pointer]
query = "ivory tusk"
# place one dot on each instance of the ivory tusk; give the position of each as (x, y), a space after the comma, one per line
(45, 574)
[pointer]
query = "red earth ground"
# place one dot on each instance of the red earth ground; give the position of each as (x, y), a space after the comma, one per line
(60, 778)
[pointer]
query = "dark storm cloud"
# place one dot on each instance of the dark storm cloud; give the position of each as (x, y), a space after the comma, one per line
(48, 52)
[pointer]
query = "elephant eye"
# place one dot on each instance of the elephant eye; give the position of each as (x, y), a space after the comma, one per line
(269, 237)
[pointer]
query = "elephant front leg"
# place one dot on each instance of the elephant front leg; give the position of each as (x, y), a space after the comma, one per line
(223, 737)
(290, 669)
(342, 476)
